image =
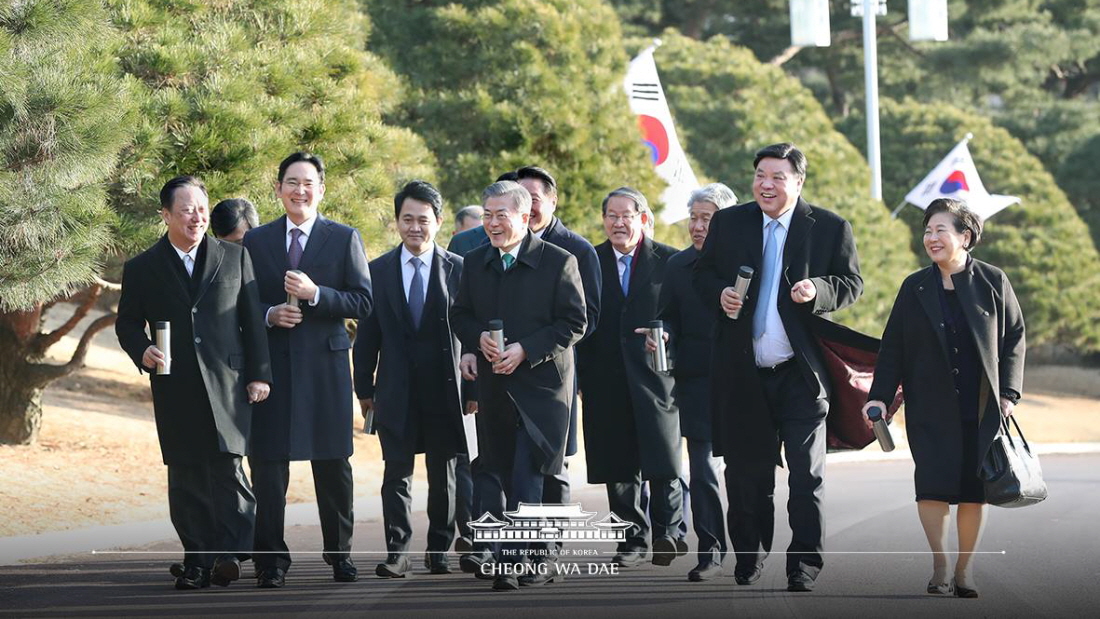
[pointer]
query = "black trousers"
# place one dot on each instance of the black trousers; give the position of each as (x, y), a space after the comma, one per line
(799, 418)
(665, 504)
(212, 508)
(332, 482)
(498, 492)
(397, 503)
(464, 496)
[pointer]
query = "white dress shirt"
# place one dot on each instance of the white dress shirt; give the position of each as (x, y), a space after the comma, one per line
(773, 347)
(407, 271)
(619, 260)
(307, 229)
(188, 257)
(514, 252)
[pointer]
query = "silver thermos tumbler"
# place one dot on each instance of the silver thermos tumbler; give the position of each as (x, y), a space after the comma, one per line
(882, 431)
(164, 344)
(290, 298)
(496, 331)
(741, 287)
(659, 357)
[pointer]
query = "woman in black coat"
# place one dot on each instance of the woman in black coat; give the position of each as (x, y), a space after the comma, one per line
(955, 343)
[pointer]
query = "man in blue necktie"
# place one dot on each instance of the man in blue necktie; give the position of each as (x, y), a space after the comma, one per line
(769, 381)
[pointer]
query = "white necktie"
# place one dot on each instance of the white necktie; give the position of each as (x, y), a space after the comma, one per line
(188, 264)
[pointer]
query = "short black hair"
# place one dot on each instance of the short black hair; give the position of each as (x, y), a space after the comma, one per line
(538, 173)
(168, 192)
(964, 218)
(511, 175)
(640, 203)
(302, 156)
(783, 150)
(422, 191)
(228, 214)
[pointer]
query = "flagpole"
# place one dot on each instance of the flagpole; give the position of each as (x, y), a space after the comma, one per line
(901, 205)
(870, 75)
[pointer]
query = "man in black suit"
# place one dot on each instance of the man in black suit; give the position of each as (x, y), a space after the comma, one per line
(690, 325)
(631, 426)
(218, 366)
(320, 266)
(525, 390)
(769, 381)
(416, 395)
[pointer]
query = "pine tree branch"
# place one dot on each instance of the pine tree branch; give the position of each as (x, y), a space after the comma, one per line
(43, 342)
(106, 285)
(41, 374)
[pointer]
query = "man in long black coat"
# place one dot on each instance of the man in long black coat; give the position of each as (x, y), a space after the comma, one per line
(322, 266)
(769, 381)
(631, 426)
(525, 390)
(205, 289)
(690, 323)
(416, 396)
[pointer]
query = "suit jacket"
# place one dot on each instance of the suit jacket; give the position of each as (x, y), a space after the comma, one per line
(309, 413)
(218, 345)
(630, 421)
(589, 266)
(914, 354)
(541, 301)
(382, 344)
(468, 240)
(820, 247)
(690, 324)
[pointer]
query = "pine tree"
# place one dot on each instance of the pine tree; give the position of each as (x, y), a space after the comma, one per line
(63, 115)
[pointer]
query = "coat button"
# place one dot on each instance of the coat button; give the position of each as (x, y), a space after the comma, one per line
(194, 310)
(941, 325)
(198, 340)
(955, 350)
(956, 392)
(920, 288)
(955, 371)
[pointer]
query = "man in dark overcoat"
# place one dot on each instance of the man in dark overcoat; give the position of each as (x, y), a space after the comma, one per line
(320, 267)
(416, 396)
(690, 324)
(769, 381)
(525, 390)
(631, 426)
(218, 365)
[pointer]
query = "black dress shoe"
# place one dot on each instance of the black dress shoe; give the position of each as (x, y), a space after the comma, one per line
(271, 578)
(799, 581)
(681, 547)
(463, 545)
(193, 577)
(437, 563)
(748, 577)
(706, 570)
(963, 592)
(345, 571)
(225, 571)
(629, 558)
(664, 551)
(396, 566)
(471, 564)
(505, 582)
(545, 573)
(176, 570)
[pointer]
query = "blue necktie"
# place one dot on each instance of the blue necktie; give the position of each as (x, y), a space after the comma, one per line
(508, 260)
(416, 292)
(626, 260)
(769, 281)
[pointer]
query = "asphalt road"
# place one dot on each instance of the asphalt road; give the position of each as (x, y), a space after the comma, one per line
(1043, 561)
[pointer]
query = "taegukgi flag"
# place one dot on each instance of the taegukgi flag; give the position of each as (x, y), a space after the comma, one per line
(957, 177)
(647, 100)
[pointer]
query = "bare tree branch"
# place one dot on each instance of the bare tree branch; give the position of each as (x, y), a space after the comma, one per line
(45, 340)
(106, 285)
(41, 374)
(785, 55)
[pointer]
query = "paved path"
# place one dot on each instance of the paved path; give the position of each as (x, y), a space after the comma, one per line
(1050, 566)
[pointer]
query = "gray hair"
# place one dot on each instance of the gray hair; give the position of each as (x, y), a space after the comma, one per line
(520, 198)
(716, 193)
(640, 203)
(474, 211)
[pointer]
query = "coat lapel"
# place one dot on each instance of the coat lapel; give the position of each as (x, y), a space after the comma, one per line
(316, 242)
(930, 302)
(442, 275)
(608, 269)
(396, 286)
(169, 259)
(276, 244)
(982, 322)
(641, 268)
(214, 255)
(802, 223)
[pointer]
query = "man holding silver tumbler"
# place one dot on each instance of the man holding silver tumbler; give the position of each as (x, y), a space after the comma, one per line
(525, 389)
(319, 266)
(769, 384)
(631, 426)
(200, 297)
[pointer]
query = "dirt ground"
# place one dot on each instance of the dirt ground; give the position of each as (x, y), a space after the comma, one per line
(97, 460)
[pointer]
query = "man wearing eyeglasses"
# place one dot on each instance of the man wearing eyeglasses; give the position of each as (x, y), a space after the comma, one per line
(313, 275)
(631, 426)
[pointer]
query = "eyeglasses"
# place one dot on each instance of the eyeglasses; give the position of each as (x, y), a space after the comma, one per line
(293, 185)
(626, 219)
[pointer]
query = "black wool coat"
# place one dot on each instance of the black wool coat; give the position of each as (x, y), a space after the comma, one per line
(630, 421)
(541, 301)
(820, 247)
(308, 415)
(218, 345)
(382, 344)
(914, 354)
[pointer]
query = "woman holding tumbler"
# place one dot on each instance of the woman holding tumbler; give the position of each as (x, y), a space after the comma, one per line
(955, 343)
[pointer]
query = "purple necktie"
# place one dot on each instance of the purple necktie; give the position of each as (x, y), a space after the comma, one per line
(294, 252)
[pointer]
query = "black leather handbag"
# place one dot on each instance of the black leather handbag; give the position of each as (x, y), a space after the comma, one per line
(1011, 473)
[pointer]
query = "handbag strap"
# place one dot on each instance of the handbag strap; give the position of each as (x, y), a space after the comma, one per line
(1006, 428)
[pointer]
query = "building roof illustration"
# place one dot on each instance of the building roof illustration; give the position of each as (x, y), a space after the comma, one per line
(570, 511)
(611, 521)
